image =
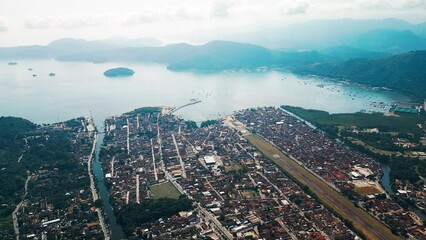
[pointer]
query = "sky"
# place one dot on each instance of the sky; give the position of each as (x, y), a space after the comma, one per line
(30, 22)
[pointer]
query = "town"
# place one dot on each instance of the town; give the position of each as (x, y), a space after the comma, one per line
(352, 173)
(169, 178)
(58, 200)
(237, 193)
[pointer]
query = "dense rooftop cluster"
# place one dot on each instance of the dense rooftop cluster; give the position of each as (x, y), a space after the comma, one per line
(351, 172)
(235, 191)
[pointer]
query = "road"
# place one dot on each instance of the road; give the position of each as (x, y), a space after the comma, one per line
(362, 221)
(14, 216)
(112, 166)
(153, 161)
(212, 219)
(137, 189)
(128, 136)
(182, 164)
(214, 189)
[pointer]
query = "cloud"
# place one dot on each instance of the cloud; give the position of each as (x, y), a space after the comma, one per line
(181, 13)
(295, 8)
(82, 21)
(375, 5)
(38, 23)
(70, 22)
(412, 4)
(220, 8)
(147, 16)
(3, 27)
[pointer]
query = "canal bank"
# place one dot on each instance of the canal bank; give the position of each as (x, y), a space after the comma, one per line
(386, 183)
(116, 229)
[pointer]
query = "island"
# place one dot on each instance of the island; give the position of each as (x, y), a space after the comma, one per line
(119, 72)
(12, 63)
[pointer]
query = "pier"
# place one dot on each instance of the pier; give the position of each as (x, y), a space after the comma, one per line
(192, 102)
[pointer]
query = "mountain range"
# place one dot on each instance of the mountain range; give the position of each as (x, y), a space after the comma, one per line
(388, 34)
(404, 72)
(384, 53)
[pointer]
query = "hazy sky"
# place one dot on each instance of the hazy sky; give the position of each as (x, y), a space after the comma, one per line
(24, 22)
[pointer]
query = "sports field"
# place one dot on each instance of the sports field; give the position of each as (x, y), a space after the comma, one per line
(164, 190)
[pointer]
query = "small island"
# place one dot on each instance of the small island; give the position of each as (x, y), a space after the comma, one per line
(119, 72)
(12, 63)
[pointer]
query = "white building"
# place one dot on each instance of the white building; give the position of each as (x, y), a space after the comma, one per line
(209, 160)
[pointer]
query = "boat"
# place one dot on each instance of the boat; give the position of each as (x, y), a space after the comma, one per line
(52, 74)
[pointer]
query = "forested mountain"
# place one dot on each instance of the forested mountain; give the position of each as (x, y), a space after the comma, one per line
(404, 72)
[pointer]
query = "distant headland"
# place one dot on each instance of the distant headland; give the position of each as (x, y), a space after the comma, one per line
(119, 72)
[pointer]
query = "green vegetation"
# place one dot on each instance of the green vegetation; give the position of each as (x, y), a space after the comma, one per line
(12, 172)
(209, 123)
(191, 124)
(404, 123)
(405, 169)
(144, 110)
(133, 216)
(119, 72)
(231, 168)
(50, 155)
(56, 156)
(404, 72)
(249, 194)
(164, 190)
(381, 146)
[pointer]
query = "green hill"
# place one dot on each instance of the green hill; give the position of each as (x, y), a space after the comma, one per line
(405, 73)
(346, 52)
(388, 40)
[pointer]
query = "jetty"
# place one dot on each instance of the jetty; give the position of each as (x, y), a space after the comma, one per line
(191, 102)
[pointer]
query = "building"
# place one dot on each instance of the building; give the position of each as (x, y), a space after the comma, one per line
(406, 107)
(405, 110)
(209, 160)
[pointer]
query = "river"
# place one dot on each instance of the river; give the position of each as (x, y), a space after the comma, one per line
(385, 181)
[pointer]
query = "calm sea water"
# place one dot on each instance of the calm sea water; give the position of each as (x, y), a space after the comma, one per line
(80, 88)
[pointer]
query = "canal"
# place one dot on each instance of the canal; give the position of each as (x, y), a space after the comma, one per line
(116, 230)
(385, 181)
